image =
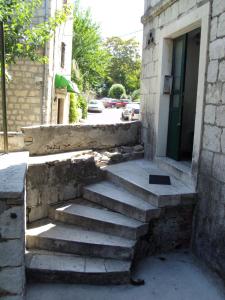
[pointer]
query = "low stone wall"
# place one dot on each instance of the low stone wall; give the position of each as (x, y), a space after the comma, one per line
(57, 180)
(41, 140)
(172, 230)
(15, 140)
(12, 225)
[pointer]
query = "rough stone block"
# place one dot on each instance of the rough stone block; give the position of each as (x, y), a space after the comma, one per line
(223, 141)
(222, 71)
(211, 138)
(12, 253)
(220, 115)
(206, 160)
(212, 71)
(12, 223)
(12, 281)
(218, 7)
(213, 31)
(217, 49)
(219, 167)
(210, 114)
(213, 93)
(221, 26)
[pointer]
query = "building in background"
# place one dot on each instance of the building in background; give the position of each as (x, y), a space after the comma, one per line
(183, 107)
(32, 96)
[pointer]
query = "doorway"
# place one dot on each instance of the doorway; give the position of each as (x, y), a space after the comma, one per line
(182, 111)
(60, 111)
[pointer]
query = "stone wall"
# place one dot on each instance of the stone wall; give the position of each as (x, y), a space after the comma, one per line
(31, 91)
(172, 230)
(58, 180)
(163, 13)
(209, 234)
(209, 225)
(41, 140)
(15, 141)
(12, 225)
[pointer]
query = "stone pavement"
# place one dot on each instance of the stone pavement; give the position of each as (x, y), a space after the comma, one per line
(174, 276)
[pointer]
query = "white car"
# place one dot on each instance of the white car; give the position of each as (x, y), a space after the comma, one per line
(95, 106)
(131, 111)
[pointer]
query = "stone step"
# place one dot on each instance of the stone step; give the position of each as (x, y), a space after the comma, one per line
(51, 267)
(134, 177)
(63, 238)
(99, 219)
(179, 170)
(117, 199)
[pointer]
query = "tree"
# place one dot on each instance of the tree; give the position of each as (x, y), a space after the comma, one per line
(125, 63)
(23, 39)
(88, 51)
(117, 91)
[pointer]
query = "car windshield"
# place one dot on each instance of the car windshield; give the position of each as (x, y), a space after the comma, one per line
(93, 102)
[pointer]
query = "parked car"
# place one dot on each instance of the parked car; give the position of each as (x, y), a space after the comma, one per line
(127, 111)
(95, 106)
(135, 113)
(122, 103)
(111, 103)
(131, 108)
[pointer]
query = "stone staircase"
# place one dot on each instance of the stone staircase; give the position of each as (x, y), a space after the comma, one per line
(94, 239)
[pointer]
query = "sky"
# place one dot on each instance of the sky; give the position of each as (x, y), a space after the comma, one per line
(117, 17)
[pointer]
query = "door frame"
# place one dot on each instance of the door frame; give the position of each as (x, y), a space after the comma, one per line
(182, 38)
(199, 18)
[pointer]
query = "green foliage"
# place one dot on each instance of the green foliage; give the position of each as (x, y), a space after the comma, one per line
(23, 39)
(136, 95)
(125, 63)
(117, 91)
(88, 52)
(82, 103)
(74, 115)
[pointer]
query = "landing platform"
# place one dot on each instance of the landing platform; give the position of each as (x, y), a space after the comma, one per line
(137, 172)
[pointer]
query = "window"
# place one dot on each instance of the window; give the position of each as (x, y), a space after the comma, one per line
(63, 50)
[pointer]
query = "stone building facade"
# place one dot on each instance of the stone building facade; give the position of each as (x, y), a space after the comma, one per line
(32, 98)
(183, 88)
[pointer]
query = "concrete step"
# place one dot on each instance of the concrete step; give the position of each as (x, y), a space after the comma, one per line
(178, 169)
(99, 219)
(118, 199)
(63, 238)
(134, 177)
(51, 267)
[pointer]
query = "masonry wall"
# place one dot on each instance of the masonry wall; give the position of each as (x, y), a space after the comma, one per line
(12, 225)
(158, 14)
(42, 140)
(209, 225)
(208, 240)
(31, 91)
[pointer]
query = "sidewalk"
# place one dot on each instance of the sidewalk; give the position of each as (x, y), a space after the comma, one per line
(174, 276)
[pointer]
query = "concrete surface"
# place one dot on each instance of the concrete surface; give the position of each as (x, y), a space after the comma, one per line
(12, 173)
(175, 276)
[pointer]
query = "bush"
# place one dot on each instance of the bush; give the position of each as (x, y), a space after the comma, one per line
(124, 96)
(74, 114)
(116, 91)
(82, 103)
(136, 95)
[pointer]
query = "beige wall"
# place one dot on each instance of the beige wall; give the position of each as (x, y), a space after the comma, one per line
(31, 91)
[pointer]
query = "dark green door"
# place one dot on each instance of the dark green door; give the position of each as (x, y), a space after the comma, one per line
(176, 101)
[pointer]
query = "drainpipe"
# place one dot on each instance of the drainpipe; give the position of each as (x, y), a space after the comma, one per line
(4, 106)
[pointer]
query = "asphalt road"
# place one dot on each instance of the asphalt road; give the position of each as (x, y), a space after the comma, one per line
(108, 116)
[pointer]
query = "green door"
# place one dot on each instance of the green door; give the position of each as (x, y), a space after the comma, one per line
(176, 100)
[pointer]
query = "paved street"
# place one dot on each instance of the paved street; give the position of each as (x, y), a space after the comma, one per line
(108, 116)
